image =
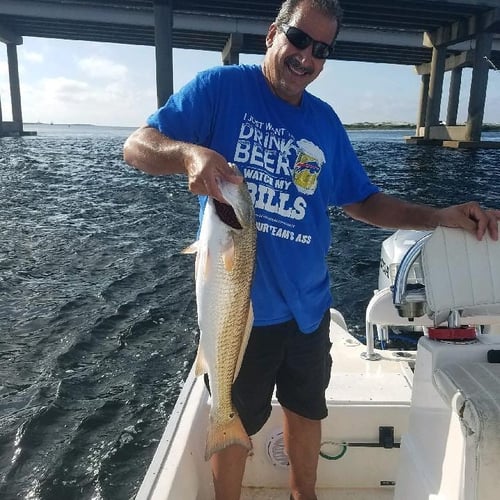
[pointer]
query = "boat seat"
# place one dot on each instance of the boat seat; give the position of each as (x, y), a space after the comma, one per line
(471, 390)
(461, 273)
(451, 449)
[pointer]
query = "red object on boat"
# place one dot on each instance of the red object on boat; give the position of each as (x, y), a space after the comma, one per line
(443, 333)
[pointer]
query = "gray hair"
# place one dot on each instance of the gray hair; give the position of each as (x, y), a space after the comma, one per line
(330, 8)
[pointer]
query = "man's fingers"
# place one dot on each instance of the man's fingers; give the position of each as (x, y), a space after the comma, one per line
(487, 220)
(493, 218)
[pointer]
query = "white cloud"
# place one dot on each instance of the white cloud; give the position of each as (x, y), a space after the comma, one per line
(32, 57)
(98, 67)
(5, 91)
(64, 89)
(65, 100)
(4, 69)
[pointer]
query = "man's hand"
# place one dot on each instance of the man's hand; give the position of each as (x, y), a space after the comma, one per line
(471, 217)
(153, 152)
(206, 168)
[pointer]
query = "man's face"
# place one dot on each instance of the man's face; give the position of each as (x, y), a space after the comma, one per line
(290, 70)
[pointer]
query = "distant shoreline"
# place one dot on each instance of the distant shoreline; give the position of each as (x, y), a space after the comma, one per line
(69, 125)
(487, 127)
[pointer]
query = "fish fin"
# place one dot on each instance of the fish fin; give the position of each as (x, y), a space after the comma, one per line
(200, 363)
(244, 340)
(204, 263)
(193, 248)
(202, 258)
(228, 255)
(222, 436)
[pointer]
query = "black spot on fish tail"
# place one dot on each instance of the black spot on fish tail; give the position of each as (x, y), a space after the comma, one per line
(226, 214)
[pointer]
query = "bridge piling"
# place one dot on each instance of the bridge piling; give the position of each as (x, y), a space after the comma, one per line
(478, 88)
(432, 131)
(15, 127)
(163, 26)
(435, 89)
(454, 96)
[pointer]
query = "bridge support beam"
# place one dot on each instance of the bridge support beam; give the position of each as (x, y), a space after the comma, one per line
(424, 95)
(478, 88)
(479, 29)
(163, 20)
(231, 52)
(14, 127)
(435, 89)
(15, 89)
(454, 96)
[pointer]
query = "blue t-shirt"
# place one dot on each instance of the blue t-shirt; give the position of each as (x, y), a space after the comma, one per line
(297, 161)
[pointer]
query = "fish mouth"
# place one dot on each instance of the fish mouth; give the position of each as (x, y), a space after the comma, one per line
(227, 214)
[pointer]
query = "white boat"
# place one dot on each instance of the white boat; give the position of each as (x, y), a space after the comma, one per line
(419, 424)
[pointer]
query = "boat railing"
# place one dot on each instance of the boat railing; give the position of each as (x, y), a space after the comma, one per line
(398, 305)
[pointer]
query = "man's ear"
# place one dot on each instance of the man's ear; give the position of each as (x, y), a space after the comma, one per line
(271, 33)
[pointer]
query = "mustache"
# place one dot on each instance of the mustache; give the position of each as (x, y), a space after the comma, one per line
(296, 64)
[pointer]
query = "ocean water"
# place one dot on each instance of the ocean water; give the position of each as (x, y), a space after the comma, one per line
(97, 308)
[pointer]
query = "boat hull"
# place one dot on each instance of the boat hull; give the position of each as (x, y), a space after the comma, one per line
(362, 397)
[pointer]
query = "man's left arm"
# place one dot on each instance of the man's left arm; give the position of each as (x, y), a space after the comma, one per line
(387, 211)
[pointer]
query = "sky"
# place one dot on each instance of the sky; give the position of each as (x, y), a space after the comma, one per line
(65, 81)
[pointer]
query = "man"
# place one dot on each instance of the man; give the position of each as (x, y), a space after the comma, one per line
(297, 160)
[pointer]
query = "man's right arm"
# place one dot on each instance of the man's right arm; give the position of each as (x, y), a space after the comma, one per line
(149, 150)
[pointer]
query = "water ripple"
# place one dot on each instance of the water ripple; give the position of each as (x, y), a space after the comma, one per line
(97, 308)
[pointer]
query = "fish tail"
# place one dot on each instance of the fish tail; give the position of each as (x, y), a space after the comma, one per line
(220, 437)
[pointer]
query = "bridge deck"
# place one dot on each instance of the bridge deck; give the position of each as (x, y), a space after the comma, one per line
(382, 31)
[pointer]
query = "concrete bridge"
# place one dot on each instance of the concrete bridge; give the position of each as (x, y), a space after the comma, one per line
(434, 36)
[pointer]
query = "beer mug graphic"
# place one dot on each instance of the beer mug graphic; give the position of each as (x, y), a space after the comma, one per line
(307, 166)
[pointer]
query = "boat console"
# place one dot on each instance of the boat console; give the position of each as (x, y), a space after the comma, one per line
(452, 447)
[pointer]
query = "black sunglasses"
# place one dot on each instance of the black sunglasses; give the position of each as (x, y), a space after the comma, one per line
(302, 40)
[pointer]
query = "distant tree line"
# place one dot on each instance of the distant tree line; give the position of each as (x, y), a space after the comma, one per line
(487, 127)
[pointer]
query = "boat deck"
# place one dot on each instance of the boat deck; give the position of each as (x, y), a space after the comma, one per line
(356, 380)
(322, 494)
(362, 397)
